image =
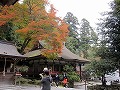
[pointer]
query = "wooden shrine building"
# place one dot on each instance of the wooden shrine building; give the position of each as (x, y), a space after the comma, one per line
(37, 62)
(8, 58)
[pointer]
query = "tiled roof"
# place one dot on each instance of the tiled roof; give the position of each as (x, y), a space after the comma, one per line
(33, 53)
(66, 54)
(8, 49)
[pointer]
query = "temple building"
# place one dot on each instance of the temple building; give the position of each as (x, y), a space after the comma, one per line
(37, 62)
(8, 58)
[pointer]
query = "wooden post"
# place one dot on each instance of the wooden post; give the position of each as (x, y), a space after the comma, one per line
(14, 66)
(33, 68)
(59, 66)
(85, 84)
(80, 70)
(4, 67)
(15, 70)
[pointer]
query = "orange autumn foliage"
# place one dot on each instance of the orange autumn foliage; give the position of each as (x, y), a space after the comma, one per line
(51, 29)
(6, 14)
(37, 24)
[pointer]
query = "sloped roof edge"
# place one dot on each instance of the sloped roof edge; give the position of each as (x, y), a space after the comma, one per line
(9, 49)
(66, 54)
(33, 53)
(8, 2)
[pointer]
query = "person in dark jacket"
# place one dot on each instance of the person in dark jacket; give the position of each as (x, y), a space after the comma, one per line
(57, 80)
(46, 81)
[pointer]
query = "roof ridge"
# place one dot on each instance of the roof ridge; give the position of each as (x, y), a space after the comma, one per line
(7, 42)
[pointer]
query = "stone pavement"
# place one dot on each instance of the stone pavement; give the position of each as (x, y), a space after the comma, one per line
(78, 86)
(13, 87)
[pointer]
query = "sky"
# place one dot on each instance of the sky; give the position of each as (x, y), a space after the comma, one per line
(88, 9)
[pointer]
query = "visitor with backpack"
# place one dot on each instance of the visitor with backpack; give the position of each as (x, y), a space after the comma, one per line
(46, 80)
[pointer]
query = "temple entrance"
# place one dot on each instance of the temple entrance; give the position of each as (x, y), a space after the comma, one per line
(8, 66)
(6, 72)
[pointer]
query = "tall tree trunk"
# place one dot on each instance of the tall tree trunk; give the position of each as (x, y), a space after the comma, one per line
(26, 41)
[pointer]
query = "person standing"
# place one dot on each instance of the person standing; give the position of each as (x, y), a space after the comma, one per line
(46, 80)
(65, 82)
(57, 80)
(64, 75)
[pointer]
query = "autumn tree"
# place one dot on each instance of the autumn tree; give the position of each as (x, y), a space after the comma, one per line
(7, 32)
(34, 23)
(6, 14)
(7, 29)
(45, 26)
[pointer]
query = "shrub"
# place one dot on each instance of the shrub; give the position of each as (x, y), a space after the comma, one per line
(27, 81)
(71, 75)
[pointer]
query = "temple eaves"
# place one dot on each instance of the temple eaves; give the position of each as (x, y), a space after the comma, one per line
(7, 2)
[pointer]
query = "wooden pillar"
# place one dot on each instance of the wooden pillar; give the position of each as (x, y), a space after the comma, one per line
(59, 66)
(80, 70)
(74, 65)
(33, 68)
(15, 71)
(4, 67)
(14, 66)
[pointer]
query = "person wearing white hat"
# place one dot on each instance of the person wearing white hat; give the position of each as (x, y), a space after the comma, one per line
(46, 80)
(45, 69)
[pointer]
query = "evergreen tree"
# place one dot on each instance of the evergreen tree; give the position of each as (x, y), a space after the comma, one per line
(72, 42)
(87, 37)
(81, 35)
(111, 28)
